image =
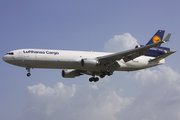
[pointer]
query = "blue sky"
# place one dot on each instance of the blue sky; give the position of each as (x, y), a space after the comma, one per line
(87, 26)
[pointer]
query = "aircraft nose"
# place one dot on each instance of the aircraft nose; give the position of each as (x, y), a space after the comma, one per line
(4, 58)
(7, 58)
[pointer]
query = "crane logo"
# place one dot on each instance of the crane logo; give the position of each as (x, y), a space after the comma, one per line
(156, 39)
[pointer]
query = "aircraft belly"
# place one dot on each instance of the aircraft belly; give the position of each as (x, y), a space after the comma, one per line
(55, 64)
(63, 65)
(22, 63)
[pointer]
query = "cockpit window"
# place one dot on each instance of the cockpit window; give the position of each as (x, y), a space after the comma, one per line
(11, 53)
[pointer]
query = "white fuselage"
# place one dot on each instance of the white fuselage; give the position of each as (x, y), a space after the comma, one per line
(61, 59)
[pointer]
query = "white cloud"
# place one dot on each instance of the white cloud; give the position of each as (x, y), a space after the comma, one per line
(160, 97)
(120, 42)
(94, 86)
(76, 102)
(164, 74)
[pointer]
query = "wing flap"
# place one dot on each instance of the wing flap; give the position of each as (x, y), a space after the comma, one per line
(134, 55)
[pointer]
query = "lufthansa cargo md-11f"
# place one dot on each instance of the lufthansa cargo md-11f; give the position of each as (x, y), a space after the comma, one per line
(76, 63)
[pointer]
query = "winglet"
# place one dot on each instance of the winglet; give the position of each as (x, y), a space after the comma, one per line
(166, 39)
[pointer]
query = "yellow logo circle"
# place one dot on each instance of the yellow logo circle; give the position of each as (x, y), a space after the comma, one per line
(156, 39)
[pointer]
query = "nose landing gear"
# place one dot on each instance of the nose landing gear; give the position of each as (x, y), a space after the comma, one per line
(28, 70)
(28, 74)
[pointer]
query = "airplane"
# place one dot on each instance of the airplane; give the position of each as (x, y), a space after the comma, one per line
(77, 63)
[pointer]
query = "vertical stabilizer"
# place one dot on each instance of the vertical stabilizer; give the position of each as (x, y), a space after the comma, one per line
(157, 37)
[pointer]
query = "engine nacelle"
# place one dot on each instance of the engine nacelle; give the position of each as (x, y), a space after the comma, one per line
(137, 46)
(70, 73)
(89, 62)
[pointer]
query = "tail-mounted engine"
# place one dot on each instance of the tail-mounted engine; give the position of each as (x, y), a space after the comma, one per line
(137, 46)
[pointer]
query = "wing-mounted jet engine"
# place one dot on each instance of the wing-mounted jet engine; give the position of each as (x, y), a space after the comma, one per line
(70, 73)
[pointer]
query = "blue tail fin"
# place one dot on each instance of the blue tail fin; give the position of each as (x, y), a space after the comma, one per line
(157, 37)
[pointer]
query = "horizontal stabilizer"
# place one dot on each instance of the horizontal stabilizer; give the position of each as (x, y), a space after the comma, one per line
(162, 57)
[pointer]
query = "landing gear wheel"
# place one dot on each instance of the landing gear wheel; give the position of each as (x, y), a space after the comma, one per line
(102, 75)
(91, 79)
(28, 74)
(109, 73)
(95, 79)
(28, 70)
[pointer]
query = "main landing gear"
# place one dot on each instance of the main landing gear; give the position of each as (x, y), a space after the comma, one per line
(28, 70)
(95, 79)
(103, 74)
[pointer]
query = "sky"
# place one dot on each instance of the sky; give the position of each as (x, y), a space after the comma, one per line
(105, 26)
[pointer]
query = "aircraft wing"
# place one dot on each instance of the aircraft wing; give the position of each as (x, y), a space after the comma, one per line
(162, 57)
(130, 54)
